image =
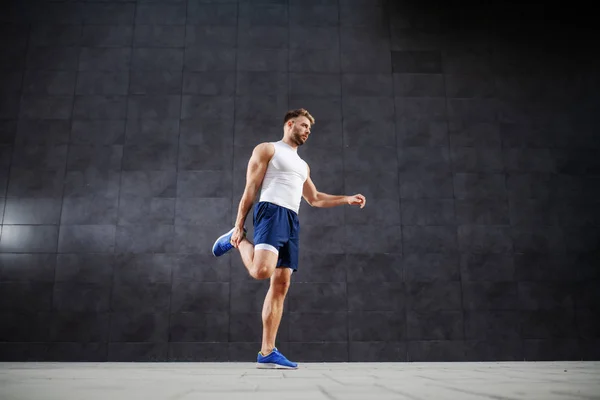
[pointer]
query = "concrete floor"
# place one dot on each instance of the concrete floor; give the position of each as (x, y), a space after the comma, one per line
(232, 381)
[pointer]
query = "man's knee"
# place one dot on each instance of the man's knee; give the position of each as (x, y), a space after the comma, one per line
(261, 271)
(263, 264)
(281, 285)
(280, 282)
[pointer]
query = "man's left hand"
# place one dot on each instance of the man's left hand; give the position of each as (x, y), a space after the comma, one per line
(357, 199)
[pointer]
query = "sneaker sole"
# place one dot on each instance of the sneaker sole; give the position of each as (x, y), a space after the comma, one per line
(219, 238)
(273, 366)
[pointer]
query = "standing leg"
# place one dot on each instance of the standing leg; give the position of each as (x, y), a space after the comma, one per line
(273, 307)
(269, 356)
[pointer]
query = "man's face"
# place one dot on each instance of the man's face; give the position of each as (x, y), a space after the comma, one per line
(300, 130)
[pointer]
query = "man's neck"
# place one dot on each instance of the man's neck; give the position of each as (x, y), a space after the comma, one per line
(289, 142)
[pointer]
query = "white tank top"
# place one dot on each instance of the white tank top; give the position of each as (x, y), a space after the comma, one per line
(284, 178)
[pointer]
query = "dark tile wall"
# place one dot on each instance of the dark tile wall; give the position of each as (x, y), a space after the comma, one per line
(125, 129)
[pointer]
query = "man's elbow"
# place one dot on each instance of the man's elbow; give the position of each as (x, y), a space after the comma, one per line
(313, 201)
(250, 193)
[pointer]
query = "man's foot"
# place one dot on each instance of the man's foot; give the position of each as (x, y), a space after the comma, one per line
(222, 245)
(274, 360)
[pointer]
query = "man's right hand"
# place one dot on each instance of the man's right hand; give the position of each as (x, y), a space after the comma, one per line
(237, 236)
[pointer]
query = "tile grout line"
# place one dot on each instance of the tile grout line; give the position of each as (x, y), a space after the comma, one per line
(456, 225)
(181, 93)
(341, 81)
(232, 187)
(494, 76)
(66, 164)
(115, 252)
(397, 147)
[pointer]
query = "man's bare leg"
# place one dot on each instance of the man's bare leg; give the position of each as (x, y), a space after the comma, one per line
(247, 253)
(273, 307)
(260, 263)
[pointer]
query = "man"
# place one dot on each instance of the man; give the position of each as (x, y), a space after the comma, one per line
(284, 178)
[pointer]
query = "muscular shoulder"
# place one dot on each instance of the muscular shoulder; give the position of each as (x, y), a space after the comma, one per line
(264, 151)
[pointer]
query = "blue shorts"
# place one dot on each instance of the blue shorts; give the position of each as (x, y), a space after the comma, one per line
(277, 229)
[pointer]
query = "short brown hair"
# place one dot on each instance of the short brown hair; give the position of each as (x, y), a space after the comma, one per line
(296, 113)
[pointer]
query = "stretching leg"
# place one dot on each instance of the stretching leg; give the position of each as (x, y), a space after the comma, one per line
(260, 263)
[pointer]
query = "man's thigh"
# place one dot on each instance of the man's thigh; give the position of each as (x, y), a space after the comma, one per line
(265, 259)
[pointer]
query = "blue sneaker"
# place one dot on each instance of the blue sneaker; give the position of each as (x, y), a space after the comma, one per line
(222, 245)
(274, 360)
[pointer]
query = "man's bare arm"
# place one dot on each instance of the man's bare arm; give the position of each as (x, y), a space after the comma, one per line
(257, 167)
(324, 200)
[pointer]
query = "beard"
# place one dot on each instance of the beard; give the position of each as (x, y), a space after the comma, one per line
(297, 137)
